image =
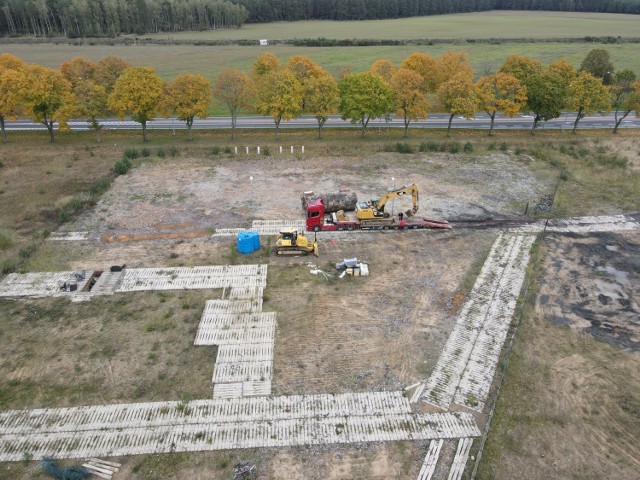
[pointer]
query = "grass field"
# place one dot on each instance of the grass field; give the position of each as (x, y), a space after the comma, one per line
(494, 24)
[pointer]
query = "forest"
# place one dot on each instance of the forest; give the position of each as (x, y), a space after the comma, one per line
(109, 18)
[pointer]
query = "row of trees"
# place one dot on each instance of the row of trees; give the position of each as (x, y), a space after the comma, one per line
(83, 89)
(99, 18)
(87, 18)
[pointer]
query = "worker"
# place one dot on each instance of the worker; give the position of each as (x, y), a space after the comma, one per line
(402, 222)
(400, 215)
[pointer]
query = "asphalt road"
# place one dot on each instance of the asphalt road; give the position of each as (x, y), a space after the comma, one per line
(437, 120)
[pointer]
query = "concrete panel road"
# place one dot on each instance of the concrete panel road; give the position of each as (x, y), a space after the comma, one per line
(437, 120)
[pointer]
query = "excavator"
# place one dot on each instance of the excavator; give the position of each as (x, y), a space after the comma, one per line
(374, 209)
(371, 215)
(290, 242)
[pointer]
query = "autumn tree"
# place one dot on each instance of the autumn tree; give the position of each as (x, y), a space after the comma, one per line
(91, 103)
(588, 95)
(236, 90)
(521, 67)
(546, 96)
(563, 69)
(280, 96)
(47, 98)
(139, 92)
(458, 98)
(364, 96)
(322, 99)
(452, 64)
(425, 66)
(265, 64)
(78, 70)
(598, 63)
(410, 98)
(500, 92)
(622, 93)
(11, 77)
(189, 96)
(384, 69)
(305, 70)
(108, 70)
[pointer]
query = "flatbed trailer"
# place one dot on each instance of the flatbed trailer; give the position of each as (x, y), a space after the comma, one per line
(319, 221)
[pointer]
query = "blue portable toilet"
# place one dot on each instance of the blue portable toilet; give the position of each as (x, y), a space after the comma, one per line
(248, 242)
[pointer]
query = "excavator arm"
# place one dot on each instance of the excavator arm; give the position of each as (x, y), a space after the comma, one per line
(390, 195)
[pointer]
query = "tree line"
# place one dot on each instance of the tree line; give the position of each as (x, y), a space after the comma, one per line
(109, 18)
(418, 86)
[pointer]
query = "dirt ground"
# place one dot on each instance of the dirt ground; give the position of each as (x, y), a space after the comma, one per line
(570, 406)
(334, 335)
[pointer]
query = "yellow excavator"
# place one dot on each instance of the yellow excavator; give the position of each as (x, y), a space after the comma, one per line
(290, 242)
(374, 209)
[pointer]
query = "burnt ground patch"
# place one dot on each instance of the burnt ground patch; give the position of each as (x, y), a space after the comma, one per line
(592, 284)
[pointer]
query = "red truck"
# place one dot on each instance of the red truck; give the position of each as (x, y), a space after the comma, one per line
(368, 216)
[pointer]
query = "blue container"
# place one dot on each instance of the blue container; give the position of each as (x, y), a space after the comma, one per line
(248, 242)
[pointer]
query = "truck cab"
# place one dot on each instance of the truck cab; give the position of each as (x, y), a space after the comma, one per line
(315, 215)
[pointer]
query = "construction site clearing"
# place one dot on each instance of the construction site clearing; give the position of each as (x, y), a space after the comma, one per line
(315, 376)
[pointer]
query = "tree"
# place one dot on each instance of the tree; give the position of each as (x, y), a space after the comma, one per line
(305, 70)
(108, 70)
(265, 64)
(458, 97)
(451, 64)
(500, 92)
(47, 98)
(598, 63)
(521, 67)
(425, 66)
(546, 96)
(322, 99)
(588, 95)
(189, 96)
(384, 69)
(625, 96)
(91, 103)
(563, 69)
(11, 78)
(78, 70)
(236, 90)
(138, 91)
(280, 96)
(364, 96)
(410, 99)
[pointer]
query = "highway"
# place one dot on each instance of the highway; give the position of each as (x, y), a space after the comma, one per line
(436, 120)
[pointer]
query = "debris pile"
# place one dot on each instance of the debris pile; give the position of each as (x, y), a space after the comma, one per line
(351, 266)
(333, 202)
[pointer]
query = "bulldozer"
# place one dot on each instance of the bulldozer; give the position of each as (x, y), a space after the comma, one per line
(291, 242)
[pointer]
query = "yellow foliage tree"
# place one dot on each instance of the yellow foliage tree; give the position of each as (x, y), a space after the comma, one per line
(47, 97)
(78, 70)
(452, 64)
(500, 92)
(588, 95)
(189, 96)
(426, 67)
(108, 70)
(562, 69)
(322, 99)
(91, 103)
(265, 64)
(521, 67)
(410, 99)
(458, 97)
(236, 90)
(280, 96)
(305, 70)
(138, 91)
(11, 77)
(384, 68)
